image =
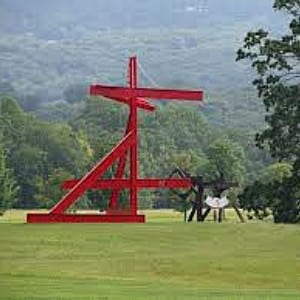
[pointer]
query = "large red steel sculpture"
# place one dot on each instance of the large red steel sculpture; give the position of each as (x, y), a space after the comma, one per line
(136, 98)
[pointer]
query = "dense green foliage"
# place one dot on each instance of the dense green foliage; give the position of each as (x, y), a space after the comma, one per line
(269, 195)
(8, 188)
(36, 150)
(163, 259)
(42, 154)
(276, 62)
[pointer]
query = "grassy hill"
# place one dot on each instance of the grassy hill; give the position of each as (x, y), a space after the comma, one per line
(162, 259)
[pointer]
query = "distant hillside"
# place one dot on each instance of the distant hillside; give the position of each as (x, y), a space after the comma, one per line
(46, 46)
(171, 57)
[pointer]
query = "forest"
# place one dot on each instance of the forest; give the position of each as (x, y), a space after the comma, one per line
(176, 134)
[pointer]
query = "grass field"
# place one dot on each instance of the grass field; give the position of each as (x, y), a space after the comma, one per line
(162, 259)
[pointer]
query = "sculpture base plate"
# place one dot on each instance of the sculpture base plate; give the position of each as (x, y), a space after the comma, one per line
(84, 218)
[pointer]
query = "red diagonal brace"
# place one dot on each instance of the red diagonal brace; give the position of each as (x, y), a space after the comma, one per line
(92, 176)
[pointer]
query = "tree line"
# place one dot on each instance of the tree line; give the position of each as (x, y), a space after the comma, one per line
(37, 155)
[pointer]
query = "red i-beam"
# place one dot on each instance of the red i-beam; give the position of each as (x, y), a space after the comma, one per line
(136, 98)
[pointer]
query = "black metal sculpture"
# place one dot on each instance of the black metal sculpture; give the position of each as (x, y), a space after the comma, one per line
(217, 186)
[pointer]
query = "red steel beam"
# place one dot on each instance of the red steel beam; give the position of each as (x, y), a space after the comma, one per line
(140, 103)
(127, 93)
(113, 201)
(122, 183)
(133, 195)
(84, 218)
(93, 175)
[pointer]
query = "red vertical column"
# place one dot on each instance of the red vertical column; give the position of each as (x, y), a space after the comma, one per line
(113, 202)
(133, 127)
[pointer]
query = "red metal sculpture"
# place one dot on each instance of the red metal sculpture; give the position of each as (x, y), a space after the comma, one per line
(135, 98)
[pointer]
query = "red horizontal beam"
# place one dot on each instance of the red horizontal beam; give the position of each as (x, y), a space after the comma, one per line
(116, 184)
(84, 218)
(125, 92)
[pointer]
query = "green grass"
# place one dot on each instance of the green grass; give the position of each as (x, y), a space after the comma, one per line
(163, 259)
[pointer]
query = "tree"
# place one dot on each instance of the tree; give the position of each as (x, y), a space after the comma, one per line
(8, 187)
(36, 149)
(179, 204)
(189, 160)
(48, 191)
(227, 158)
(271, 194)
(276, 62)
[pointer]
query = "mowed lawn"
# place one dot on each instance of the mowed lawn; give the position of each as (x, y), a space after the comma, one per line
(162, 259)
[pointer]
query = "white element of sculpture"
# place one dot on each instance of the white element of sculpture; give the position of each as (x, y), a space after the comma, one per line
(216, 202)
